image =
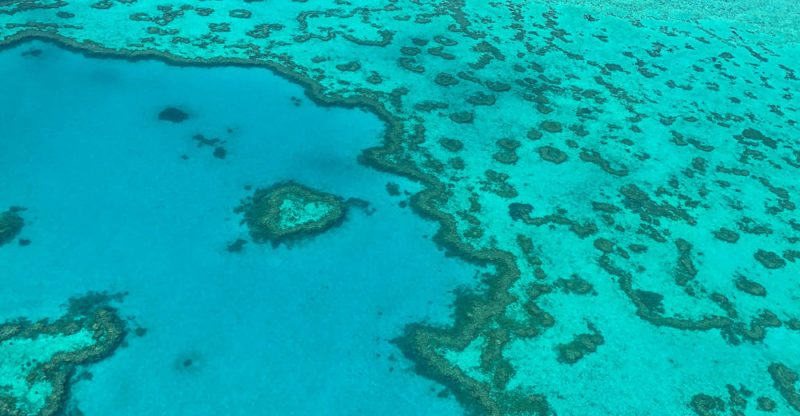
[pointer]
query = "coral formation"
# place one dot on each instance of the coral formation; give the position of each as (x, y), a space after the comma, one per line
(11, 224)
(37, 359)
(173, 114)
(288, 211)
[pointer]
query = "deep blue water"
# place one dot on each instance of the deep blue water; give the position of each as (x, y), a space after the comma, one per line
(112, 206)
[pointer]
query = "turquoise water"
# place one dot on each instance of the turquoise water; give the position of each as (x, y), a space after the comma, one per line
(113, 206)
(616, 180)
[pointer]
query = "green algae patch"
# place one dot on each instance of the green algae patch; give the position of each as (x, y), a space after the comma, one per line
(37, 359)
(289, 211)
(11, 224)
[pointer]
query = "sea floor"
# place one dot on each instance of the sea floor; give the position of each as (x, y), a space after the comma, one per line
(120, 201)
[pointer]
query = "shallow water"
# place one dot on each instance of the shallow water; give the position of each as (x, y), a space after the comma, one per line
(112, 206)
(626, 170)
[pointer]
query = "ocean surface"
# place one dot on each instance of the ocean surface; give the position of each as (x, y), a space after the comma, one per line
(554, 208)
(119, 201)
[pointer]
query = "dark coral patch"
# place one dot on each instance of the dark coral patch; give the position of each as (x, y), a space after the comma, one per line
(769, 259)
(11, 224)
(552, 154)
(582, 345)
(452, 145)
(552, 126)
(785, 379)
(445, 80)
(236, 246)
(534, 134)
(349, 67)
(481, 99)
(462, 117)
(172, 114)
(749, 286)
(726, 235)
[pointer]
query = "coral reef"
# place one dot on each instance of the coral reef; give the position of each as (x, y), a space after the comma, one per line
(288, 211)
(651, 150)
(37, 359)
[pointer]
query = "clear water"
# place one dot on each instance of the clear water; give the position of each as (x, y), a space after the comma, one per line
(556, 207)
